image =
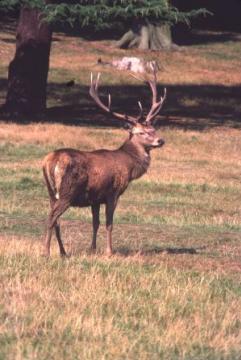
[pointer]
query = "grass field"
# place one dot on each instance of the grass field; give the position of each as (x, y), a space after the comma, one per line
(172, 290)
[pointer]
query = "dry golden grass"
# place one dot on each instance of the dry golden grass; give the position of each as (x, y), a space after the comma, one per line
(174, 64)
(118, 306)
(169, 292)
(188, 157)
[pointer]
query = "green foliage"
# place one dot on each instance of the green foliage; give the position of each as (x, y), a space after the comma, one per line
(102, 14)
(8, 5)
(106, 14)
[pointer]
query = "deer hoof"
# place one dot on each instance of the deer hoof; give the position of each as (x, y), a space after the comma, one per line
(92, 250)
(65, 256)
(45, 254)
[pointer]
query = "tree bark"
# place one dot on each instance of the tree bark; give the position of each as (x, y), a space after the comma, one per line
(28, 71)
(148, 36)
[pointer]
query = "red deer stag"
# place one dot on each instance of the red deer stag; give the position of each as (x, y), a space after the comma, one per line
(81, 178)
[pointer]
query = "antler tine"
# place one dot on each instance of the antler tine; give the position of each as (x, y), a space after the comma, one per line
(94, 94)
(141, 111)
(160, 103)
(109, 101)
(152, 84)
(162, 99)
(156, 105)
(97, 81)
(155, 110)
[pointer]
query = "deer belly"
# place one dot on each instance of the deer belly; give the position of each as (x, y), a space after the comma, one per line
(98, 189)
(90, 196)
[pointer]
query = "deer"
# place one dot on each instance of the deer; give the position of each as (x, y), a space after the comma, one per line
(77, 178)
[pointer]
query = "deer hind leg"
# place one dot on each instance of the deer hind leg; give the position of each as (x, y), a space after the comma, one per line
(95, 223)
(58, 237)
(57, 210)
(57, 229)
(110, 208)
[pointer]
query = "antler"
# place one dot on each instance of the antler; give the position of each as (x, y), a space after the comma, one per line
(156, 105)
(94, 94)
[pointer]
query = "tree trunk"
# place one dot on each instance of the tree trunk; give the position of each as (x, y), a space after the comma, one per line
(148, 36)
(28, 71)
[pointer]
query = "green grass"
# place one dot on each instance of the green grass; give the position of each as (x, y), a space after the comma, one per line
(145, 202)
(173, 204)
(11, 152)
(232, 51)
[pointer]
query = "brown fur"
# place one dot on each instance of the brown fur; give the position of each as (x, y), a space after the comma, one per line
(77, 178)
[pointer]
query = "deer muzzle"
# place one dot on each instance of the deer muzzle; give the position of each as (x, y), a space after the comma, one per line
(161, 142)
(158, 142)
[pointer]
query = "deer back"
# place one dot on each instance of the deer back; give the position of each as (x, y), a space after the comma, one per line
(87, 177)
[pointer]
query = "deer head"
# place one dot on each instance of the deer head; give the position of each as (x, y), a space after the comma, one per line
(141, 127)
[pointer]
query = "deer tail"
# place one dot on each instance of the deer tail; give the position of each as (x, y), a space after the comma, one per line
(49, 181)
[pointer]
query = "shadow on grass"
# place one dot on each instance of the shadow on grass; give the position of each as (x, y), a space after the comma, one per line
(124, 251)
(128, 252)
(8, 24)
(187, 106)
(186, 37)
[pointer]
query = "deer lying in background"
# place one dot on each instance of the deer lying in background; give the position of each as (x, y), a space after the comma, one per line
(81, 178)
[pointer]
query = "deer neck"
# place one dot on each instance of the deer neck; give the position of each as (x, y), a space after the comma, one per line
(139, 158)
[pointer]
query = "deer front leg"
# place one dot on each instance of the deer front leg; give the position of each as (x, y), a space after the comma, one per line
(96, 223)
(110, 208)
